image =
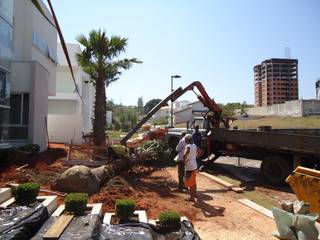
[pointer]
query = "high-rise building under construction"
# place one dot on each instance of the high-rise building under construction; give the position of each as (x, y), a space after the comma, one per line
(276, 81)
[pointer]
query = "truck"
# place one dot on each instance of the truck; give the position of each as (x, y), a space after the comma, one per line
(280, 150)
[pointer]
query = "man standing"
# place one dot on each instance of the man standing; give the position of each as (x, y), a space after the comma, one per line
(196, 137)
(180, 149)
(190, 161)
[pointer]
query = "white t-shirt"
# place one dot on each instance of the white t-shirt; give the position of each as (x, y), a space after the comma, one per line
(191, 161)
(180, 149)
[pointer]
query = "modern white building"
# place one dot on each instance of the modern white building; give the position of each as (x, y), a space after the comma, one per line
(33, 73)
(162, 113)
(195, 109)
(6, 46)
(68, 116)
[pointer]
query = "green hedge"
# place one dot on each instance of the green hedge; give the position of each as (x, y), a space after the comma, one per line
(76, 203)
(26, 193)
(125, 208)
(169, 219)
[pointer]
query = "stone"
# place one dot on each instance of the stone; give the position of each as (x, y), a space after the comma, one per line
(102, 173)
(78, 179)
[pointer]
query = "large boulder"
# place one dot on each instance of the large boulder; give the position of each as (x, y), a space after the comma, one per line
(78, 179)
(103, 173)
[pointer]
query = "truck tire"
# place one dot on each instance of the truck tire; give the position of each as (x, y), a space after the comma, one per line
(275, 169)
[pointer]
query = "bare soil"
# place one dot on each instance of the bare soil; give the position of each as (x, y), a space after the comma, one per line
(217, 214)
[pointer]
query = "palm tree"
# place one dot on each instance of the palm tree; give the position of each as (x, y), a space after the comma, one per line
(99, 59)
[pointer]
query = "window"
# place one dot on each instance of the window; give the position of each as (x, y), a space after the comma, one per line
(19, 116)
(5, 39)
(43, 47)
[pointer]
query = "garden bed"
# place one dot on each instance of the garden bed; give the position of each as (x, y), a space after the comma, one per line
(80, 227)
(138, 216)
(25, 221)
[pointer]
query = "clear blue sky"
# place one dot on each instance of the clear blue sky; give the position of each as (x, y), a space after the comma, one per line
(215, 42)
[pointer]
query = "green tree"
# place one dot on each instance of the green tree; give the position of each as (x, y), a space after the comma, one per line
(100, 59)
(244, 108)
(151, 104)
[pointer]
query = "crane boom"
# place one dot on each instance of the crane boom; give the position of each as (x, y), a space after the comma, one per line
(203, 98)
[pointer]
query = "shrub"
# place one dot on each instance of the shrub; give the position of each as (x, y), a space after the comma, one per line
(169, 219)
(125, 208)
(76, 203)
(26, 193)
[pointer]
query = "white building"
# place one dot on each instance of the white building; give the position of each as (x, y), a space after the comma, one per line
(195, 109)
(6, 46)
(68, 117)
(162, 113)
(33, 73)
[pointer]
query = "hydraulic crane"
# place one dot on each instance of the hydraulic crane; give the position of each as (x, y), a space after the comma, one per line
(203, 97)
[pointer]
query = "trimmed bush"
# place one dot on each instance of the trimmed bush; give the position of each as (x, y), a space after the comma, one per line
(76, 203)
(125, 208)
(169, 219)
(26, 193)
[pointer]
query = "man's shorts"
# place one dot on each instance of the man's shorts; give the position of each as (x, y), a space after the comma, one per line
(190, 178)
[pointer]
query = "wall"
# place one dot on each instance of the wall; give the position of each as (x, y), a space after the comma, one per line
(183, 116)
(296, 108)
(63, 133)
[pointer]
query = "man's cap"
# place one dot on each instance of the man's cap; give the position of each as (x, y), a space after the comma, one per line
(188, 136)
(183, 133)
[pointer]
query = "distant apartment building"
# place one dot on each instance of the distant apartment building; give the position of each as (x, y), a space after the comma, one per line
(276, 81)
(318, 89)
(68, 116)
(33, 73)
(6, 47)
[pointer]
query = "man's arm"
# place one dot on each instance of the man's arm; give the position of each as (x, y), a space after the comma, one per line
(179, 146)
(186, 153)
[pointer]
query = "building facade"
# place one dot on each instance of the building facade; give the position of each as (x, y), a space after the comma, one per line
(318, 89)
(276, 81)
(68, 116)
(33, 73)
(6, 46)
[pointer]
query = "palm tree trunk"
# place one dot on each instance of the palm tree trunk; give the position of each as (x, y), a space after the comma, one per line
(99, 121)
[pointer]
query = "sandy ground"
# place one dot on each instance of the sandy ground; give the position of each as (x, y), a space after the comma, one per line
(223, 217)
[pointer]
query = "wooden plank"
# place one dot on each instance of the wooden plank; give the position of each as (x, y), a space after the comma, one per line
(55, 231)
(87, 163)
(218, 180)
(257, 207)
(237, 189)
(23, 166)
(5, 194)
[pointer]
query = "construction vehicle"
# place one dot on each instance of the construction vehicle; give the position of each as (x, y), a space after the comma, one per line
(279, 150)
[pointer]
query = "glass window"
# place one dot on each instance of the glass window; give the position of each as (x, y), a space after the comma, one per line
(15, 108)
(19, 116)
(5, 34)
(4, 120)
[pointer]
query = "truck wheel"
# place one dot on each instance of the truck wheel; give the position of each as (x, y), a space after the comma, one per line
(275, 169)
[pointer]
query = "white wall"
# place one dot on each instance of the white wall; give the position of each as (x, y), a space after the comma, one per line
(183, 116)
(63, 128)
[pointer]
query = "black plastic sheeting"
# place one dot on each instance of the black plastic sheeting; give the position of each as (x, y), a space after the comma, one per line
(80, 228)
(22, 222)
(144, 231)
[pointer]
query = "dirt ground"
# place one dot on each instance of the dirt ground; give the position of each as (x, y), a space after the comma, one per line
(216, 215)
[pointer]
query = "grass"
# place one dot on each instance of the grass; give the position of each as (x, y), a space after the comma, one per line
(116, 135)
(279, 122)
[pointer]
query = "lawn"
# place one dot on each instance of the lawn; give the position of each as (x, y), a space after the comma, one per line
(279, 122)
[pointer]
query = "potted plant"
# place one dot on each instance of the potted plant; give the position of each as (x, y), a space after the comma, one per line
(169, 221)
(76, 203)
(26, 193)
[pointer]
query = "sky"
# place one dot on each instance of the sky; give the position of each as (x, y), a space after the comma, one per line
(217, 42)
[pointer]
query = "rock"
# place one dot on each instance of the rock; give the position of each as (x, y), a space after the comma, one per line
(102, 173)
(78, 179)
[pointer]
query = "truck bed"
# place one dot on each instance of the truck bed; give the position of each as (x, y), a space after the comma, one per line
(275, 139)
